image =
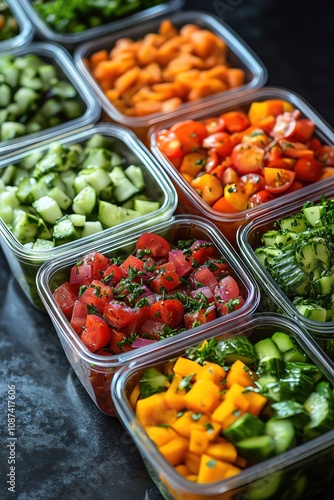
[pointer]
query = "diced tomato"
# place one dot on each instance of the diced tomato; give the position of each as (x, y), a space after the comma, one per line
(116, 343)
(223, 206)
(231, 305)
(212, 161)
(181, 262)
(81, 274)
(196, 318)
(142, 314)
(97, 294)
(166, 278)
(156, 244)
(204, 277)
(277, 179)
(152, 329)
(79, 316)
(303, 131)
(118, 314)
(112, 275)
(96, 333)
(219, 269)
(226, 289)
(98, 263)
(65, 296)
(295, 186)
(169, 312)
(308, 169)
(133, 264)
(190, 133)
(220, 142)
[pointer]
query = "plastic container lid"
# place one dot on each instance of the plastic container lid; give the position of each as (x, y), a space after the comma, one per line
(240, 55)
(60, 58)
(46, 32)
(26, 31)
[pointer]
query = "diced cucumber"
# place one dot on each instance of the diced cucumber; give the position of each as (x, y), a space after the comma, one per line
(99, 179)
(52, 179)
(67, 178)
(293, 411)
(117, 174)
(293, 385)
(5, 95)
(135, 175)
(60, 197)
(42, 230)
(145, 207)
(270, 358)
(124, 189)
(77, 220)
(269, 237)
(41, 244)
(25, 97)
(91, 227)
(283, 341)
(294, 355)
(246, 426)
(39, 189)
(29, 161)
(257, 448)
(324, 285)
(84, 201)
(97, 158)
(48, 209)
(80, 182)
(238, 347)
(285, 238)
(266, 487)
(111, 215)
(321, 413)
(24, 191)
(312, 251)
(313, 215)
(7, 174)
(64, 230)
(10, 130)
(9, 198)
(6, 213)
(282, 432)
(295, 223)
(24, 226)
(312, 311)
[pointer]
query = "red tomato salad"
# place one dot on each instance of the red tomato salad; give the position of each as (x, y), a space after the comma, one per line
(118, 304)
(239, 160)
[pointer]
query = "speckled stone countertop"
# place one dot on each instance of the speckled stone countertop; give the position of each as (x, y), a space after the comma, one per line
(66, 449)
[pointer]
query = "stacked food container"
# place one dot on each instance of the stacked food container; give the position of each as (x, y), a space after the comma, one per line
(145, 175)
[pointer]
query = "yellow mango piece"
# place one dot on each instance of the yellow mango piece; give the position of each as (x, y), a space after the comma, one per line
(192, 461)
(160, 435)
(236, 394)
(213, 372)
(211, 470)
(203, 397)
(134, 396)
(185, 367)
(182, 470)
(232, 471)
(198, 442)
(153, 410)
(225, 409)
(174, 396)
(256, 402)
(241, 374)
(188, 421)
(175, 450)
(224, 451)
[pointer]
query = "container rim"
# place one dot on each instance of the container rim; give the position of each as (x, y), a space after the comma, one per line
(63, 60)
(49, 33)
(49, 268)
(255, 472)
(236, 45)
(26, 31)
(322, 127)
(123, 135)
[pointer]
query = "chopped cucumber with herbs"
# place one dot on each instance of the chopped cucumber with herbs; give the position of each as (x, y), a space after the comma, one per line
(70, 192)
(33, 97)
(299, 255)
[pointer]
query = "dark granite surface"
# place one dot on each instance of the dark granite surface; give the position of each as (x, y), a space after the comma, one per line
(66, 449)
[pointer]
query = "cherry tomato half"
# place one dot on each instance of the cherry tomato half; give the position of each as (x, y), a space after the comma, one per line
(156, 244)
(190, 133)
(214, 124)
(260, 197)
(221, 142)
(247, 159)
(169, 144)
(277, 179)
(308, 169)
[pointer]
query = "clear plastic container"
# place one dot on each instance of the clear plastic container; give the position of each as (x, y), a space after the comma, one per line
(95, 371)
(240, 56)
(300, 472)
(25, 262)
(70, 39)
(191, 202)
(60, 58)
(26, 32)
(272, 297)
